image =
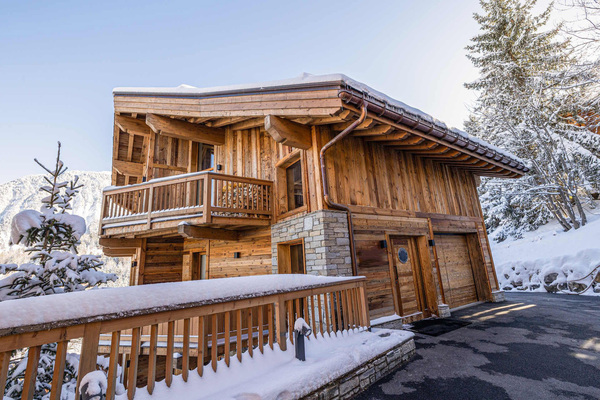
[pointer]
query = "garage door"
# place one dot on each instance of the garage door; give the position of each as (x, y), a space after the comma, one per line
(455, 269)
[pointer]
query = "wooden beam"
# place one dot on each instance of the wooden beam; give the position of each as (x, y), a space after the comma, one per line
(452, 154)
(128, 243)
(185, 130)
(199, 232)
(130, 125)
(384, 138)
(366, 124)
(120, 247)
(288, 132)
(248, 124)
(217, 123)
(128, 168)
(340, 117)
(376, 131)
(422, 146)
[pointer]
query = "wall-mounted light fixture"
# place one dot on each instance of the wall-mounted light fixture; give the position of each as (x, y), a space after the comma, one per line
(236, 254)
(383, 244)
(219, 167)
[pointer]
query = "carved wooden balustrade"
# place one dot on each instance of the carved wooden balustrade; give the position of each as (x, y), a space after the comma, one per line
(198, 198)
(248, 315)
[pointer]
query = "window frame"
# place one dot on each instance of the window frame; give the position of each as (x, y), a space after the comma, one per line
(284, 259)
(282, 166)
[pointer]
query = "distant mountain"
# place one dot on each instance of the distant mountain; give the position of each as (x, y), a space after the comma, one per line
(24, 193)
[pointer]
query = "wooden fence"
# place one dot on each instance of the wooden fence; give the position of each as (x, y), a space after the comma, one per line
(217, 330)
(186, 195)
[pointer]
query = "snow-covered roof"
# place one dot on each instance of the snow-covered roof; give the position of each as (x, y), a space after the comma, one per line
(308, 80)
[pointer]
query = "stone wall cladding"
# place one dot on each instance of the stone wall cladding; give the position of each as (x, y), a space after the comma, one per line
(498, 296)
(326, 241)
(359, 379)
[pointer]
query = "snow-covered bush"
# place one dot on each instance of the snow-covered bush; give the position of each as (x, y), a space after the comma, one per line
(51, 236)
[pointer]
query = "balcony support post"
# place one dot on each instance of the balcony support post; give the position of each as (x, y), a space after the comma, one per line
(150, 201)
(207, 200)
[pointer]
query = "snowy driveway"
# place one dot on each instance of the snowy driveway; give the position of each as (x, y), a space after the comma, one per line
(534, 346)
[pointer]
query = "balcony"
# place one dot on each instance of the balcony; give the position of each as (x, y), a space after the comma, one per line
(203, 198)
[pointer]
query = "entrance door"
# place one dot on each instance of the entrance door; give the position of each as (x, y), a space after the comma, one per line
(456, 270)
(198, 266)
(407, 276)
(290, 257)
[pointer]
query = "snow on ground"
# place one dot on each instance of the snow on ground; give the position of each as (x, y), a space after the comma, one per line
(548, 258)
(277, 374)
(100, 304)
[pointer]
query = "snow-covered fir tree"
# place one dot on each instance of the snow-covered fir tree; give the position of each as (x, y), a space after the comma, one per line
(533, 101)
(51, 236)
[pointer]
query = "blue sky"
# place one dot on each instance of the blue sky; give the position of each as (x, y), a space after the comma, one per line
(60, 60)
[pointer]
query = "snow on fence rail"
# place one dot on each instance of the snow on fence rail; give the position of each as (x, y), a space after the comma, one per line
(214, 319)
(186, 195)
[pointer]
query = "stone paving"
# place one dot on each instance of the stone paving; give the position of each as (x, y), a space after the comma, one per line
(533, 346)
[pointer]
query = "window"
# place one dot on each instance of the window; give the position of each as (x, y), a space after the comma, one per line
(198, 266)
(295, 197)
(206, 156)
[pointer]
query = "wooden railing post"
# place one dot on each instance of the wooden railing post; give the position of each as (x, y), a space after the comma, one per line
(89, 352)
(280, 323)
(150, 201)
(207, 200)
(102, 214)
(364, 305)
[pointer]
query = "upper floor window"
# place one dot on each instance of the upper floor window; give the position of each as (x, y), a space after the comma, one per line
(295, 195)
(206, 156)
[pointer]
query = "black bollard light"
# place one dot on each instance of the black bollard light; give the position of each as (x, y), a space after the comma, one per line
(301, 329)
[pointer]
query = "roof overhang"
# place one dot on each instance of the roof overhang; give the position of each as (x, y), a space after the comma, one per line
(319, 99)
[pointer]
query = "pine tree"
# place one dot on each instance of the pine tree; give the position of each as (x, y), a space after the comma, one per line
(532, 93)
(51, 236)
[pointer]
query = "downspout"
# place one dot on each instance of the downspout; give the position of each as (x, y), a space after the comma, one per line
(326, 196)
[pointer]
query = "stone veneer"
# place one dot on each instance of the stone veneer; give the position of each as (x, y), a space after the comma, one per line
(326, 241)
(498, 296)
(358, 380)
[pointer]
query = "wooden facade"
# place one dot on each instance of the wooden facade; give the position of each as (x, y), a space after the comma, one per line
(204, 177)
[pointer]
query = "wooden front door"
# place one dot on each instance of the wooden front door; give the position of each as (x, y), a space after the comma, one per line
(456, 270)
(407, 277)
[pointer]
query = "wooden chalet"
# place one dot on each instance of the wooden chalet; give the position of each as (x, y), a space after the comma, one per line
(317, 175)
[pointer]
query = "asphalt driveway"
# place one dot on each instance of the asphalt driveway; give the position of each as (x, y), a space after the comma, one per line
(533, 346)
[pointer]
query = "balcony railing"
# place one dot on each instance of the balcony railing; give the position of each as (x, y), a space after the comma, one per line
(200, 198)
(204, 321)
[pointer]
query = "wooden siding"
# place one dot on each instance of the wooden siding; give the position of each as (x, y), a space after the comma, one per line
(164, 258)
(250, 153)
(255, 255)
(368, 174)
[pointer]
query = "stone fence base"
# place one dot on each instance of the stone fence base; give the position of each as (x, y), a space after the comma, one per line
(498, 296)
(358, 380)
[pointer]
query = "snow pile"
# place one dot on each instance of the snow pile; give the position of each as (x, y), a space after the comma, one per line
(93, 384)
(551, 260)
(279, 375)
(97, 304)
